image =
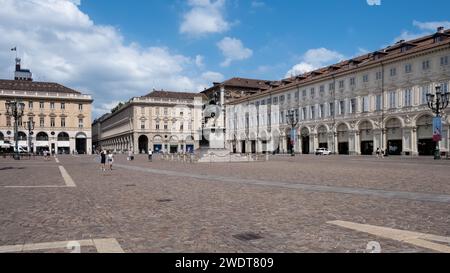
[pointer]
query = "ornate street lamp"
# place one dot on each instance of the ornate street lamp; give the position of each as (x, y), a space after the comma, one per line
(15, 109)
(437, 103)
(29, 125)
(292, 121)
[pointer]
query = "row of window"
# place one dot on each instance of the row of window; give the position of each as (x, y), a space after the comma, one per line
(62, 105)
(341, 83)
(42, 122)
(351, 106)
(166, 126)
(165, 111)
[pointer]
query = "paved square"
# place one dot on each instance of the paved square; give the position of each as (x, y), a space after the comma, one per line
(301, 204)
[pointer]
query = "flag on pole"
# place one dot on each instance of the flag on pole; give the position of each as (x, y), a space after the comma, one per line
(14, 49)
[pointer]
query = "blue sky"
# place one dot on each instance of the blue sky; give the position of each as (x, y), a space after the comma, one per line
(115, 50)
(278, 32)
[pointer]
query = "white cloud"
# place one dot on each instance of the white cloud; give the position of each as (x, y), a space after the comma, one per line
(258, 4)
(60, 43)
(233, 50)
(204, 17)
(314, 59)
(426, 28)
(431, 26)
(213, 77)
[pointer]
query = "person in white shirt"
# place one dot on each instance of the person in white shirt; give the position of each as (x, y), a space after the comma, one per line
(110, 160)
(150, 155)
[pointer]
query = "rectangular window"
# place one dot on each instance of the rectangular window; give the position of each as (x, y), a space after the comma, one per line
(8, 121)
(165, 111)
(365, 104)
(331, 86)
(181, 128)
(393, 72)
(297, 115)
(408, 68)
(407, 98)
(322, 89)
(269, 101)
(392, 100)
(341, 84)
(426, 65)
(142, 124)
(321, 111)
(41, 105)
(157, 126)
(379, 75)
(444, 87)
(331, 109)
(313, 112)
(275, 100)
(304, 93)
(80, 107)
(313, 92)
(423, 94)
(444, 60)
(289, 98)
(63, 122)
(282, 117)
(166, 126)
(52, 122)
(157, 111)
(304, 116)
(41, 122)
(353, 106)
(52, 105)
(379, 103)
(282, 99)
(30, 105)
(80, 123)
(352, 81)
(366, 78)
(297, 96)
(342, 107)
(63, 105)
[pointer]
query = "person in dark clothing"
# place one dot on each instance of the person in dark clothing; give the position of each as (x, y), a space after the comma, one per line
(103, 160)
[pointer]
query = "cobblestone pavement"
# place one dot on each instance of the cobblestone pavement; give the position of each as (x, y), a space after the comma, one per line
(153, 207)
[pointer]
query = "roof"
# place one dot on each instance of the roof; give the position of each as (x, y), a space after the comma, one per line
(35, 86)
(244, 83)
(173, 95)
(389, 53)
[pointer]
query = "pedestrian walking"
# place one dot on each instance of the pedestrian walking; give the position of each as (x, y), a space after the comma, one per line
(110, 160)
(378, 152)
(103, 159)
(150, 155)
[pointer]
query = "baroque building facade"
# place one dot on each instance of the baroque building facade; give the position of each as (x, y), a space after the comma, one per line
(161, 121)
(377, 100)
(61, 116)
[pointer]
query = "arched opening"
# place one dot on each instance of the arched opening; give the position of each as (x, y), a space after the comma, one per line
(42, 143)
(322, 133)
(81, 143)
(143, 144)
(21, 136)
(173, 144)
(2, 137)
(305, 140)
(342, 135)
(366, 137)
(425, 143)
(63, 143)
(157, 144)
(394, 136)
(41, 136)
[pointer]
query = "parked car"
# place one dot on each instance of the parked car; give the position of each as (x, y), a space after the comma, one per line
(323, 151)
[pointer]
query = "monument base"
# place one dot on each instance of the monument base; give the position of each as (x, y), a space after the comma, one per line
(208, 155)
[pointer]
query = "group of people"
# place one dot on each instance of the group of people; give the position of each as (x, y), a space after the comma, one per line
(106, 160)
(380, 153)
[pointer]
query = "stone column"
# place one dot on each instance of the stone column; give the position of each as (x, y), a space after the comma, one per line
(407, 141)
(314, 143)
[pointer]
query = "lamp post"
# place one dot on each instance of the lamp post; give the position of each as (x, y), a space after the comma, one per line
(437, 103)
(15, 109)
(292, 121)
(30, 127)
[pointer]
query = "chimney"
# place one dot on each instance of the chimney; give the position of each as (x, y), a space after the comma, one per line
(17, 64)
(440, 29)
